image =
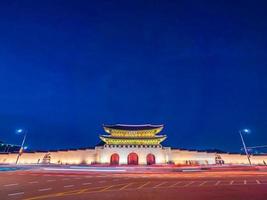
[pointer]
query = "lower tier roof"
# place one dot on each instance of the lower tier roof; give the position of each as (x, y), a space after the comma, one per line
(133, 141)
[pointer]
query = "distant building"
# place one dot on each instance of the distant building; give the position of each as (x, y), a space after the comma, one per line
(129, 145)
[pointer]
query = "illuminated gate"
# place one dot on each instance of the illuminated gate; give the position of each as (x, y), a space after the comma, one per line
(132, 159)
(150, 159)
(114, 159)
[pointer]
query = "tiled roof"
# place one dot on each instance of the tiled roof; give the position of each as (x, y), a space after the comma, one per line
(133, 127)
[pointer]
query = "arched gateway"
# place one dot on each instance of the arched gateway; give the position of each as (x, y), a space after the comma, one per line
(132, 159)
(123, 138)
(150, 159)
(114, 159)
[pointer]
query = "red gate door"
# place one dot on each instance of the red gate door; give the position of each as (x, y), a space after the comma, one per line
(114, 159)
(150, 159)
(132, 159)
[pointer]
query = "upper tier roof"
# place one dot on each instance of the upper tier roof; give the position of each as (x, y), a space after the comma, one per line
(129, 127)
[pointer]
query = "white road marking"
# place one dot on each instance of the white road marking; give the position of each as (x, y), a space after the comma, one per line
(245, 182)
(160, 184)
(51, 180)
(173, 185)
(217, 183)
(67, 186)
(86, 183)
(32, 182)
(106, 188)
(44, 189)
(14, 194)
(141, 186)
(190, 183)
(125, 186)
(12, 184)
(204, 182)
(258, 182)
(231, 183)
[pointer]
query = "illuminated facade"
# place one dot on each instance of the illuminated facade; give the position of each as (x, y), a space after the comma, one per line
(130, 145)
(133, 134)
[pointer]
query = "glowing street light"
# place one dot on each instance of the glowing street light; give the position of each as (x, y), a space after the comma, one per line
(246, 130)
(243, 142)
(19, 132)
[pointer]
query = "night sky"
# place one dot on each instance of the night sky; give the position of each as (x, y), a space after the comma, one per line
(198, 67)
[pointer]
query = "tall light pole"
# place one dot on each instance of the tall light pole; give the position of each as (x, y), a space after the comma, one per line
(244, 144)
(21, 131)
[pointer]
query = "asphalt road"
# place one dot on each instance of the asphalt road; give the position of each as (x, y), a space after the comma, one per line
(60, 185)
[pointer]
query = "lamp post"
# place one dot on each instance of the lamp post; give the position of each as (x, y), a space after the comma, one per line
(244, 144)
(21, 131)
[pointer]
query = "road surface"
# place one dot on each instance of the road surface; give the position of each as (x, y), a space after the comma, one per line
(81, 185)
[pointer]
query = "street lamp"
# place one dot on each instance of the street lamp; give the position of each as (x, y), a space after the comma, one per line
(243, 142)
(19, 132)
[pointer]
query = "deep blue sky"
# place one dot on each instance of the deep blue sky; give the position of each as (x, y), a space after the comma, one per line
(67, 67)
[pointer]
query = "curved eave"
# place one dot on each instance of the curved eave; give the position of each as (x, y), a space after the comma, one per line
(112, 140)
(130, 127)
(153, 131)
(133, 138)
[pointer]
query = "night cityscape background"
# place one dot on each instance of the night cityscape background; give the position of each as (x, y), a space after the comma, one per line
(197, 67)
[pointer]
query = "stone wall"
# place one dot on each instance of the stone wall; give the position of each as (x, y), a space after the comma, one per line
(102, 155)
(87, 156)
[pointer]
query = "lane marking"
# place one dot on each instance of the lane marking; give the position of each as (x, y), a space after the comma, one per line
(190, 183)
(65, 179)
(125, 186)
(204, 182)
(141, 186)
(32, 182)
(173, 185)
(106, 188)
(231, 183)
(217, 183)
(44, 189)
(14, 194)
(51, 180)
(258, 182)
(86, 183)
(160, 184)
(245, 182)
(12, 184)
(68, 186)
